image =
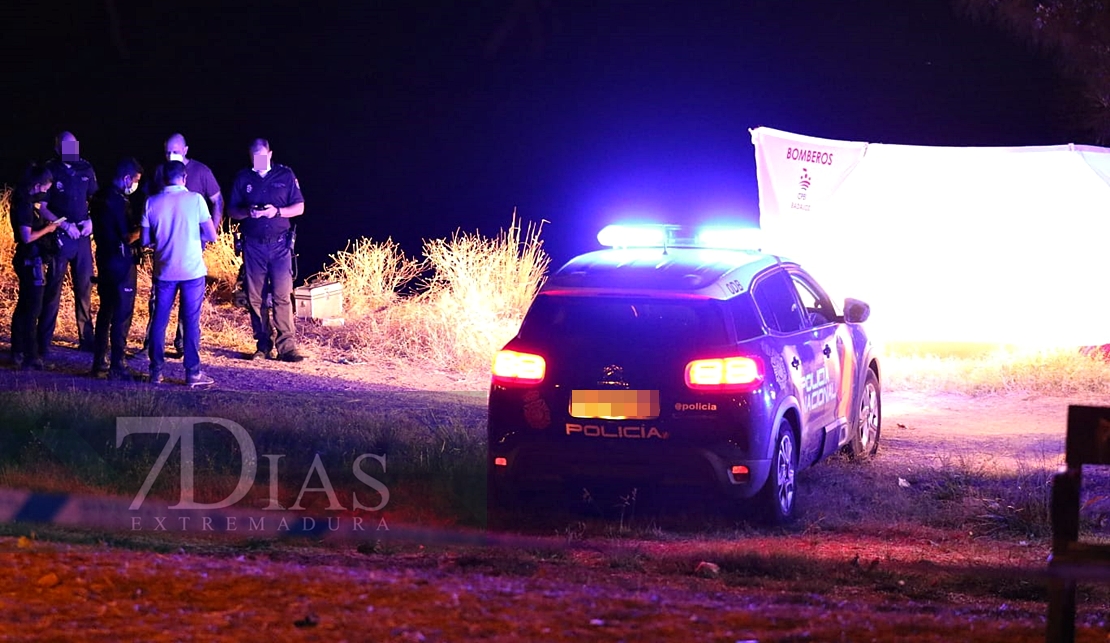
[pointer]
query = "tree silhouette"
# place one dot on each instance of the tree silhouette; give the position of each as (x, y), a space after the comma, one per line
(1075, 32)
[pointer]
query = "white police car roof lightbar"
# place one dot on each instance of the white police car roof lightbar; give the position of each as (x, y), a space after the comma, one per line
(675, 236)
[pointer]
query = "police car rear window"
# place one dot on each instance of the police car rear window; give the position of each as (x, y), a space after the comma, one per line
(745, 317)
(683, 322)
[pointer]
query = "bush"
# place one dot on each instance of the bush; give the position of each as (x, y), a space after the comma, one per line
(372, 274)
(469, 305)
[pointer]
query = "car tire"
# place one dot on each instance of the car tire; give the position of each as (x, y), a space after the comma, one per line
(779, 493)
(868, 425)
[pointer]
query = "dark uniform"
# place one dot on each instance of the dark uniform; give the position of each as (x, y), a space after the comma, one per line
(198, 178)
(74, 185)
(32, 263)
(113, 226)
(268, 253)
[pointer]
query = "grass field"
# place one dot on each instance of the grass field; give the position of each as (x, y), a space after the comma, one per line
(454, 307)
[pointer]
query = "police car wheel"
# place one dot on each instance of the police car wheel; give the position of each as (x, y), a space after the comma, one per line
(777, 496)
(865, 435)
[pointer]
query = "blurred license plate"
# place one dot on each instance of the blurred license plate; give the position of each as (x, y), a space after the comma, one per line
(615, 405)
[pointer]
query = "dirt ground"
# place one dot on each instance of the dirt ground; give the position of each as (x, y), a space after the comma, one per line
(602, 589)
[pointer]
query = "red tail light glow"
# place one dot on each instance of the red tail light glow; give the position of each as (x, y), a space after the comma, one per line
(511, 367)
(725, 374)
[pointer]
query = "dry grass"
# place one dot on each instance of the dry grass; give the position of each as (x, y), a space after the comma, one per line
(222, 262)
(223, 268)
(372, 275)
(1048, 372)
(478, 293)
(9, 287)
(477, 290)
(470, 305)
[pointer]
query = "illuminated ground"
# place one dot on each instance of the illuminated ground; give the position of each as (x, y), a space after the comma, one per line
(900, 582)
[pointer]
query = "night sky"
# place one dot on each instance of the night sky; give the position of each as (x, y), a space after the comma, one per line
(413, 119)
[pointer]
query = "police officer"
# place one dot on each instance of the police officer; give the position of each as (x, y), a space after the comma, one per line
(263, 199)
(74, 185)
(116, 230)
(32, 263)
(199, 179)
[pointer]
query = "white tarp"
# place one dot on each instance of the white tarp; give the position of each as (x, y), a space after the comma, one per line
(998, 245)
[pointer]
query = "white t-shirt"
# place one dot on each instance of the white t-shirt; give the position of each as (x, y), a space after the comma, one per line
(174, 217)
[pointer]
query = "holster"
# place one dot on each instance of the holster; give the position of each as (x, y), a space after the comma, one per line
(37, 272)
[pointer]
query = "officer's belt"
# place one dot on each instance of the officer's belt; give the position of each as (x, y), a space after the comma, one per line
(267, 240)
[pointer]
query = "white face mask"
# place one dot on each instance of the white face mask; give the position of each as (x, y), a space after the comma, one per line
(131, 188)
(174, 156)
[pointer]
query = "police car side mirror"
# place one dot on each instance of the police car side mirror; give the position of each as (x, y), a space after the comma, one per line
(856, 311)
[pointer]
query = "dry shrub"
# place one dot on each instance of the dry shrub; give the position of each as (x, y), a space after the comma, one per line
(496, 277)
(371, 273)
(9, 285)
(1048, 372)
(222, 262)
(469, 306)
(474, 301)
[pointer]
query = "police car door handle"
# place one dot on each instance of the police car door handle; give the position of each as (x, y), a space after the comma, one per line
(795, 363)
(827, 351)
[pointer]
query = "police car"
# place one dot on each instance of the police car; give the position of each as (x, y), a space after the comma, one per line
(676, 358)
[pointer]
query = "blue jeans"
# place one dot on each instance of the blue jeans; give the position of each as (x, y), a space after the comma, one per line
(192, 295)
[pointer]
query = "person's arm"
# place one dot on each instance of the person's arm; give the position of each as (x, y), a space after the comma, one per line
(91, 188)
(118, 219)
(217, 210)
(237, 207)
(144, 227)
(289, 211)
(294, 198)
(210, 188)
(27, 235)
(207, 231)
(69, 228)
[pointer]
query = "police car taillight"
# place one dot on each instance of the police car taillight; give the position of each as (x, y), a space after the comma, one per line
(725, 374)
(512, 367)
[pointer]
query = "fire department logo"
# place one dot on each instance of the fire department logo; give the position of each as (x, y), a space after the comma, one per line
(249, 188)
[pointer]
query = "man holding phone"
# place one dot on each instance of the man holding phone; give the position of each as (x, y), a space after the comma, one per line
(263, 200)
(32, 262)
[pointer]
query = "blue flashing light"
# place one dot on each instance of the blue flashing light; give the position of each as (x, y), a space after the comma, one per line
(664, 236)
(633, 236)
(729, 238)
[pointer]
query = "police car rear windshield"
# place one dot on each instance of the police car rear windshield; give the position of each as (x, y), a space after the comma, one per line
(615, 320)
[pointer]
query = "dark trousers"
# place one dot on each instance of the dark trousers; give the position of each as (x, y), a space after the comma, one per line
(76, 256)
(192, 296)
(270, 261)
(116, 277)
(178, 341)
(28, 306)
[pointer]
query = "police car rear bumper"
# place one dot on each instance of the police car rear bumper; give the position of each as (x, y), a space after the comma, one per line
(528, 466)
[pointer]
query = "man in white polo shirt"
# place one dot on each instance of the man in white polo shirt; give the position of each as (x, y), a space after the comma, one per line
(176, 223)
